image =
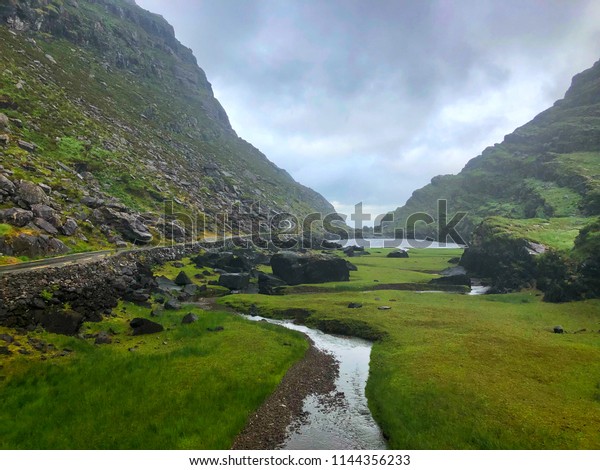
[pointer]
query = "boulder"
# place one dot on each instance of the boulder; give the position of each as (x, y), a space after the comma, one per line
(15, 216)
(130, 226)
(174, 231)
(330, 245)
(4, 122)
(40, 245)
(69, 227)
(142, 326)
(189, 318)
(297, 268)
(61, 322)
(351, 267)
(183, 279)
(398, 254)
(7, 187)
(355, 251)
(31, 194)
(92, 202)
(234, 281)
(269, 284)
(45, 226)
(172, 305)
(47, 213)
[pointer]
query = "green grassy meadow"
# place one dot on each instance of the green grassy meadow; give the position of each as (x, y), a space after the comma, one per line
(184, 388)
(453, 371)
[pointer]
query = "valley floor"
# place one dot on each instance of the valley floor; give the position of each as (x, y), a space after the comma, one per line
(448, 370)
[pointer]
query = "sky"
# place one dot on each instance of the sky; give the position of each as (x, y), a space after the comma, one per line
(367, 100)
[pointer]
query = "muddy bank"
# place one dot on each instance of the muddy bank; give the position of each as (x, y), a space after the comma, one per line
(268, 427)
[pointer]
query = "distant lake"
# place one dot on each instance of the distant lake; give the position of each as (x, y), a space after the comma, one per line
(390, 243)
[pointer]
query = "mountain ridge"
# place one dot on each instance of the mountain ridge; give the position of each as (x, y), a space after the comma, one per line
(102, 94)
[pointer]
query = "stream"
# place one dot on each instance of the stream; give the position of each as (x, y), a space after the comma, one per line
(341, 424)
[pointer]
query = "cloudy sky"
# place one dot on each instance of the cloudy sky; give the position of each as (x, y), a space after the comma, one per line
(367, 100)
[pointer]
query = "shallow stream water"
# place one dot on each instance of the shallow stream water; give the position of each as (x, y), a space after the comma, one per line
(337, 424)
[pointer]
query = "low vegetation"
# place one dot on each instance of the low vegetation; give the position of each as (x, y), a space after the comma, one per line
(454, 371)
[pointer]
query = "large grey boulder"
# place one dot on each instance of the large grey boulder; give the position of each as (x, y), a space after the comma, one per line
(15, 216)
(296, 268)
(47, 213)
(234, 281)
(34, 246)
(30, 194)
(7, 187)
(45, 226)
(130, 226)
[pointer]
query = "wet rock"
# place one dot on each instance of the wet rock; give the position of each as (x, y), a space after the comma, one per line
(295, 268)
(183, 279)
(234, 281)
(69, 227)
(15, 216)
(142, 326)
(189, 318)
(398, 254)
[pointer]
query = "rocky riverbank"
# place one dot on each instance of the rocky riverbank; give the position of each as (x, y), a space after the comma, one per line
(268, 426)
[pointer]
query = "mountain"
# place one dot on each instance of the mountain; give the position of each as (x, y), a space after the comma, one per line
(548, 168)
(105, 120)
(532, 202)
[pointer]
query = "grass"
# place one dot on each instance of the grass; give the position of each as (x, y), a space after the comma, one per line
(185, 388)
(453, 371)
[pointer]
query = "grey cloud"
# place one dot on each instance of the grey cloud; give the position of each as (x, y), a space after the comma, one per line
(367, 100)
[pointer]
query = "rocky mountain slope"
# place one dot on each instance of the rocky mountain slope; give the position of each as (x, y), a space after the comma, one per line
(110, 134)
(548, 168)
(532, 201)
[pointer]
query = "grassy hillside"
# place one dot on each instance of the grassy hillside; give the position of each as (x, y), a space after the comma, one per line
(116, 110)
(548, 168)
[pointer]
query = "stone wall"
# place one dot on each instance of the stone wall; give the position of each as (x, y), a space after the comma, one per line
(61, 298)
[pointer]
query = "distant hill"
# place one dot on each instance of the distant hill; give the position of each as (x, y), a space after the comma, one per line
(104, 116)
(548, 168)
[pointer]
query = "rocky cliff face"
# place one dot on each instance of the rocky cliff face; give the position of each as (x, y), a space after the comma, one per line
(547, 168)
(110, 134)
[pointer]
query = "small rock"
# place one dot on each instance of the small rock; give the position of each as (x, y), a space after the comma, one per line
(189, 318)
(69, 227)
(4, 351)
(50, 59)
(398, 254)
(142, 326)
(28, 146)
(103, 338)
(558, 329)
(4, 122)
(355, 305)
(6, 338)
(183, 279)
(383, 307)
(216, 328)
(172, 305)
